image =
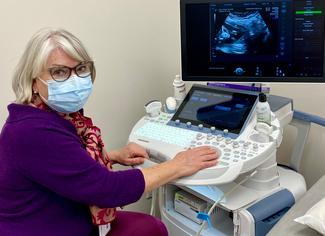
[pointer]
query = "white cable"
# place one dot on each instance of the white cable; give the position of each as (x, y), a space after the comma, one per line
(153, 202)
(224, 196)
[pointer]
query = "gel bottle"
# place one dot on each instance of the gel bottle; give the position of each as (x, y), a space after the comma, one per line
(179, 89)
(263, 110)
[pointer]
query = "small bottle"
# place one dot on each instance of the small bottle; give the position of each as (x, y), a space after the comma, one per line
(263, 110)
(179, 89)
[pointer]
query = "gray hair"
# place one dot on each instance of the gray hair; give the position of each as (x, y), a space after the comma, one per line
(35, 56)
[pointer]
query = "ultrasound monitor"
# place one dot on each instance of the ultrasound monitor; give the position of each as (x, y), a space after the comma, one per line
(253, 41)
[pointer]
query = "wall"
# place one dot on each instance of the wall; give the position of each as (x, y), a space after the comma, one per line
(310, 99)
(135, 45)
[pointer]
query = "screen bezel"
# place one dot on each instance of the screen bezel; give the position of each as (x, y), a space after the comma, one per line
(215, 90)
(233, 78)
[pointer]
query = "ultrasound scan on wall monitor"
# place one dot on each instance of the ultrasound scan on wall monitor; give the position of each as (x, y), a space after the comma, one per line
(211, 107)
(257, 40)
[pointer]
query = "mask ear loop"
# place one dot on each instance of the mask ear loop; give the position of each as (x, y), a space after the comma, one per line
(43, 98)
(44, 82)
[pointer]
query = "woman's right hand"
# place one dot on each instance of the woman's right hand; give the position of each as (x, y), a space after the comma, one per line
(193, 160)
(183, 164)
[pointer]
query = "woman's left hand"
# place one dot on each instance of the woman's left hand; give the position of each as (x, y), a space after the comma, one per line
(131, 154)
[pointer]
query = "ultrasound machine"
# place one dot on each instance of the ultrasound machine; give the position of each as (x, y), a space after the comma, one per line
(241, 44)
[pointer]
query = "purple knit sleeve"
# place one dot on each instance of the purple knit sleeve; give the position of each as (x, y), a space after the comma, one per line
(53, 157)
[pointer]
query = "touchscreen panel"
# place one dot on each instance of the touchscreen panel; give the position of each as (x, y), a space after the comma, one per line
(217, 108)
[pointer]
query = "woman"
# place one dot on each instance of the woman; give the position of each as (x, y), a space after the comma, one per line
(55, 175)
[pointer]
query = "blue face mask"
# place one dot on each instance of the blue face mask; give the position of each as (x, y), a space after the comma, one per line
(68, 96)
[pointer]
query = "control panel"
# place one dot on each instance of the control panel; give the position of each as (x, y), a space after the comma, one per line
(165, 135)
(237, 156)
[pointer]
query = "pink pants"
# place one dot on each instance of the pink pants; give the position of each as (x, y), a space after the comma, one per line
(136, 224)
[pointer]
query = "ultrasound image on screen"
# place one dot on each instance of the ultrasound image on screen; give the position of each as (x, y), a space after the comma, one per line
(243, 33)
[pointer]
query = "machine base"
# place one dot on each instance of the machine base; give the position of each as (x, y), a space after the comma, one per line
(242, 213)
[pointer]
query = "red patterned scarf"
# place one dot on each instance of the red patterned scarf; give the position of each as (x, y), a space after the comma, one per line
(91, 138)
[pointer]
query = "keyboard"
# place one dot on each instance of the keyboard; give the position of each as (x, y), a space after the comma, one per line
(167, 134)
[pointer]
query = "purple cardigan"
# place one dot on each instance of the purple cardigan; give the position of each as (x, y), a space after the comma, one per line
(47, 179)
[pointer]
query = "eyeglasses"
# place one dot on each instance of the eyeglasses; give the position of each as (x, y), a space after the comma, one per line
(62, 73)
